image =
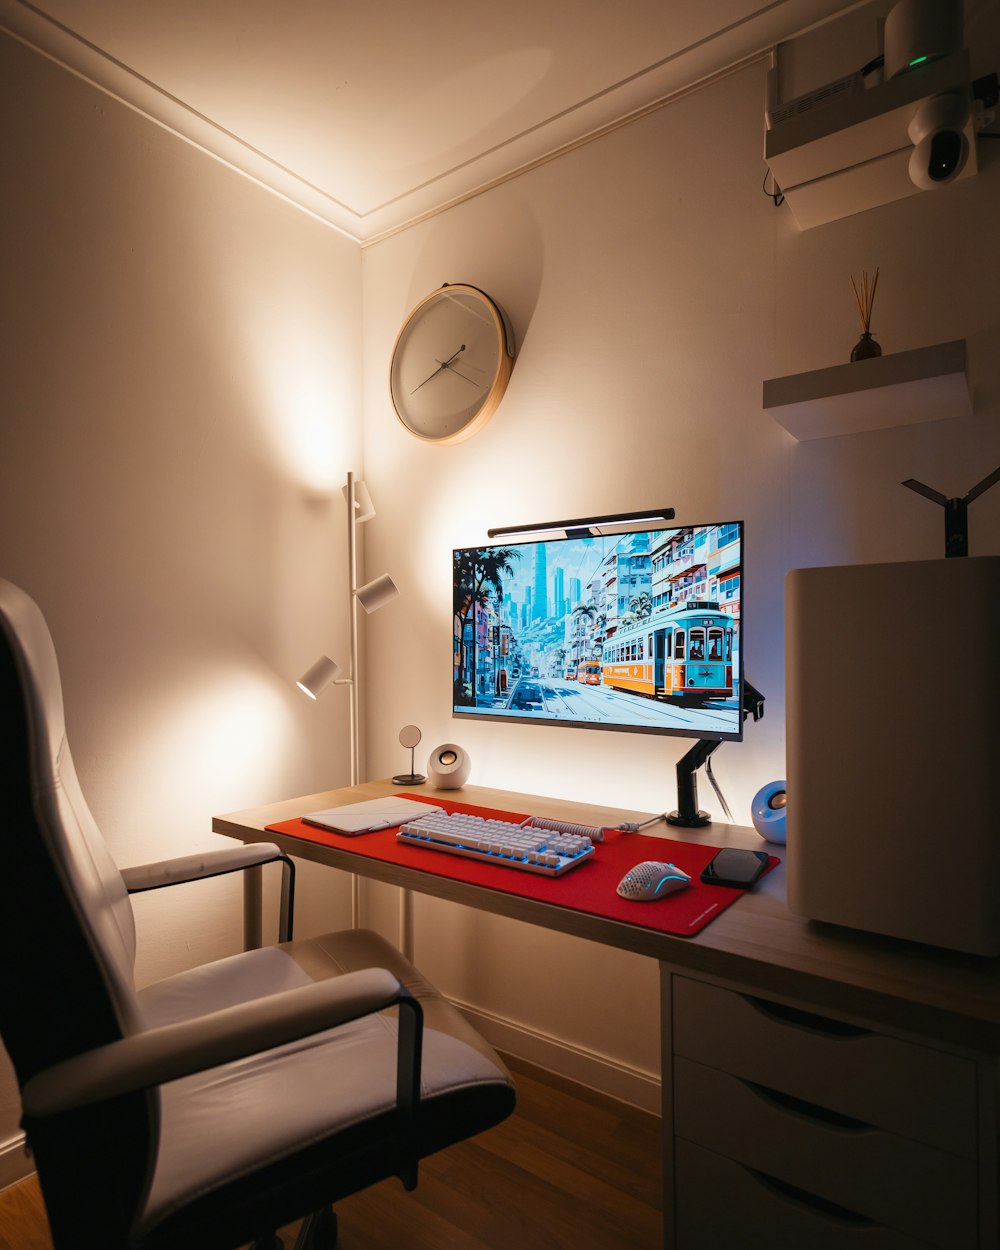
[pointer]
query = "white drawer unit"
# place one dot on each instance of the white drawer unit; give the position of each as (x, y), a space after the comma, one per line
(891, 1180)
(913, 1090)
(786, 1127)
(722, 1205)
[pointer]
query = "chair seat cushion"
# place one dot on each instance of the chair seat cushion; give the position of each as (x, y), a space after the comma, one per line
(220, 1125)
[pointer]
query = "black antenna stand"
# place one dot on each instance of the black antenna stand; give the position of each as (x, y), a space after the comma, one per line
(956, 510)
(687, 815)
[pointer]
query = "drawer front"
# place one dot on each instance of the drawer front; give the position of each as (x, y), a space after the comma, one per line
(916, 1091)
(891, 1180)
(723, 1206)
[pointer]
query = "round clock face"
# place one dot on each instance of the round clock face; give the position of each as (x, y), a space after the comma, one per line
(450, 365)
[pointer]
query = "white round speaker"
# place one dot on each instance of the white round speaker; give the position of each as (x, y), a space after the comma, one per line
(448, 767)
(768, 811)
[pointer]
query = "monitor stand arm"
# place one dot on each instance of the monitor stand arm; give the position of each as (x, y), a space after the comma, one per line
(687, 815)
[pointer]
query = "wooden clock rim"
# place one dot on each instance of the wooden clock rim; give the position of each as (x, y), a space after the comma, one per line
(504, 369)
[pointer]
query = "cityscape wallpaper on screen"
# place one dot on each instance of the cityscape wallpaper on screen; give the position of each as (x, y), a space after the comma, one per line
(636, 631)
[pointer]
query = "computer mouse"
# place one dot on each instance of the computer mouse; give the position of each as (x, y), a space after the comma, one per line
(651, 880)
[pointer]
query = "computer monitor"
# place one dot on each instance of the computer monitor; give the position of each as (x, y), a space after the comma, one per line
(638, 631)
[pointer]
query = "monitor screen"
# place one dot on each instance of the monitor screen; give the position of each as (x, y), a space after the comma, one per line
(635, 631)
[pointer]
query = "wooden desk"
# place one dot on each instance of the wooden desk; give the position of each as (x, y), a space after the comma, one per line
(901, 1039)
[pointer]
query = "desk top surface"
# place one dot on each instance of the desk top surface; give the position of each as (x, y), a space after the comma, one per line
(758, 941)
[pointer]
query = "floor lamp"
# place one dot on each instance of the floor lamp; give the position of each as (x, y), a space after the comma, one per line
(326, 672)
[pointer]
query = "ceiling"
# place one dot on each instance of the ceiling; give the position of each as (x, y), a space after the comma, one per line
(376, 114)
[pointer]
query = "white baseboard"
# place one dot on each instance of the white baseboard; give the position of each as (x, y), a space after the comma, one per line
(15, 1164)
(607, 1076)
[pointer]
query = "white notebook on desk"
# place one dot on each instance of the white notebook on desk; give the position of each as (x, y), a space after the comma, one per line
(369, 815)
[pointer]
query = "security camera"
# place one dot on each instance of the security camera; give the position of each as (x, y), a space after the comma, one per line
(937, 131)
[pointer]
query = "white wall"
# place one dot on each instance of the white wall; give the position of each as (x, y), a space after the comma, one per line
(652, 287)
(179, 368)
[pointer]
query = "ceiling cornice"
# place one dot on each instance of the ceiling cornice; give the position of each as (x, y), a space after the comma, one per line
(688, 69)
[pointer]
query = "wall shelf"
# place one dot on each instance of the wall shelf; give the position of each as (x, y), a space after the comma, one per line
(906, 388)
(853, 154)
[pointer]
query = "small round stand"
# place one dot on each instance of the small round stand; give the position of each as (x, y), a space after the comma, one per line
(409, 736)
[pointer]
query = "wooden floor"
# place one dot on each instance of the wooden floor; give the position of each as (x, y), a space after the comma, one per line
(570, 1170)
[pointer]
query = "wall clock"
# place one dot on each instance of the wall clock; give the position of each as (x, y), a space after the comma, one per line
(451, 364)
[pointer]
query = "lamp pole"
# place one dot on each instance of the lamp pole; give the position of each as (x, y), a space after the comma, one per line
(352, 562)
(352, 565)
(325, 672)
(405, 898)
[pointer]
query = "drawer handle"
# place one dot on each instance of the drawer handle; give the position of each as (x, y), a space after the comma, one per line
(806, 1019)
(823, 1115)
(791, 1193)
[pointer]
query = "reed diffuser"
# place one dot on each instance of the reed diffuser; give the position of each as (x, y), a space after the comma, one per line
(865, 347)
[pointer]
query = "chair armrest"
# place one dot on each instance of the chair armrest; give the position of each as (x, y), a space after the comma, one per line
(199, 866)
(143, 1060)
(205, 864)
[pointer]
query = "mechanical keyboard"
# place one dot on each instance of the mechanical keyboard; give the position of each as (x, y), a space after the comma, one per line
(530, 848)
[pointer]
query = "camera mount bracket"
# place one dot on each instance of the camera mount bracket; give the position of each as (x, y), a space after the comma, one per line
(956, 509)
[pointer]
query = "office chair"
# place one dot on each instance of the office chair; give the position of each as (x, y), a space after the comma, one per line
(217, 1105)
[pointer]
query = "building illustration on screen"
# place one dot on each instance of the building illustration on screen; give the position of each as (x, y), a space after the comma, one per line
(638, 631)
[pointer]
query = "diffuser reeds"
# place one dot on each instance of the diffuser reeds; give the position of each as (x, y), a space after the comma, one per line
(866, 299)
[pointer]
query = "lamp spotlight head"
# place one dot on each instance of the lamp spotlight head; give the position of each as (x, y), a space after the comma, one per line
(937, 131)
(322, 674)
(377, 594)
(364, 509)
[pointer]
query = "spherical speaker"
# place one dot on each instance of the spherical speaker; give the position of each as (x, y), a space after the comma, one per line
(768, 811)
(448, 767)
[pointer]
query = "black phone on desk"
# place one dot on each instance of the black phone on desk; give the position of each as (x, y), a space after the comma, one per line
(736, 868)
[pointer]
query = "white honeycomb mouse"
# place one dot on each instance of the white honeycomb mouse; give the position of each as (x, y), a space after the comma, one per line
(651, 880)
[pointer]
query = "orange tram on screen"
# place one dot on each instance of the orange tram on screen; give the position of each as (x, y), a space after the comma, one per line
(684, 653)
(588, 672)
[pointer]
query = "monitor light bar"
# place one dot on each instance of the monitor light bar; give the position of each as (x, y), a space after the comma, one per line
(587, 527)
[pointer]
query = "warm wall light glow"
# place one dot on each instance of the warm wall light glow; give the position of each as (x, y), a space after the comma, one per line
(312, 433)
(446, 519)
(220, 736)
(236, 726)
(305, 392)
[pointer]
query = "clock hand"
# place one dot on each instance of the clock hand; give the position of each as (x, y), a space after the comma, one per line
(427, 379)
(442, 364)
(464, 377)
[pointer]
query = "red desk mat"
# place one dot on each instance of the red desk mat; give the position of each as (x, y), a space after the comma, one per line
(591, 887)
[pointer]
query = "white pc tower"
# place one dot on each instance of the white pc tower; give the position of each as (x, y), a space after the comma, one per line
(893, 721)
